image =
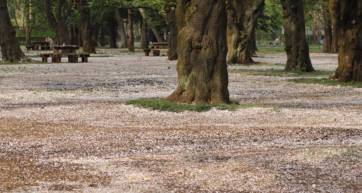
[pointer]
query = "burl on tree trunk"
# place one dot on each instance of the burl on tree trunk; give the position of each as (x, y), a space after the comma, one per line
(241, 21)
(346, 18)
(9, 45)
(296, 44)
(201, 67)
(170, 9)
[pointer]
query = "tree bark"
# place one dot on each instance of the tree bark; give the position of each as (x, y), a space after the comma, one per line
(346, 18)
(296, 44)
(170, 9)
(149, 23)
(112, 33)
(122, 30)
(327, 44)
(241, 22)
(201, 67)
(130, 39)
(10, 48)
(85, 26)
(144, 38)
(27, 10)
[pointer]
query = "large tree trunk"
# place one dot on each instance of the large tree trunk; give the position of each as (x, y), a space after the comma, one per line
(201, 67)
(9, 45)
(130, 39)
(85, 30)
(347, 17)
(296, 44)
(172, 28)
(27, 12)
(241, 22)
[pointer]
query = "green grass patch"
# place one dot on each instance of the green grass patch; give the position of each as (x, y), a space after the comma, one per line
(281, 73)
(325, 81)
(280, 49)
(164, 105)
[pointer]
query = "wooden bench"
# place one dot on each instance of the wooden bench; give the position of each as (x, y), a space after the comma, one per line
(157, 46)
(84, 57)
(57, 58)
(45, 56)
(147, 51)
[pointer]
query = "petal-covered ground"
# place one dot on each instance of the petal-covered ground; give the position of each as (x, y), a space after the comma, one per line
(65, 127)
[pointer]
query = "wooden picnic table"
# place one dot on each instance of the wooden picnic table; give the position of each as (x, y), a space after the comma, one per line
(39, 45)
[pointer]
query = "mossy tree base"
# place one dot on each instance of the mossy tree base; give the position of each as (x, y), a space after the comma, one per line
(201, 67)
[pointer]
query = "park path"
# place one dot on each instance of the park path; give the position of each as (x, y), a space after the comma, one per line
(65, 127)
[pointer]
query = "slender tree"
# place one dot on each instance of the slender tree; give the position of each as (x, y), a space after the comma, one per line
(346, 19)
(201, 67)
(296, 44)
(170, 8)
(130, 42)
(10, 48)
(241, 22)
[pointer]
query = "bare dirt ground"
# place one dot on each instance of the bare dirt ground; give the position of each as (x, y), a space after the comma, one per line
(65, 127)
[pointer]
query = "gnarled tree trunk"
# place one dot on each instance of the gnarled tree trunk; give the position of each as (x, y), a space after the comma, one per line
(201, 67)
(241, 22)
(9, 45)
(346, 18)
(296, 44)
(170, 9)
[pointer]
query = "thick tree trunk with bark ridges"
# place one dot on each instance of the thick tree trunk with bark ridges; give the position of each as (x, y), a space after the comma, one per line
(144, 39)
(9, 45)
(241, 23)
(296, 44)
(172, 28)
(201, 67)
(347, 17)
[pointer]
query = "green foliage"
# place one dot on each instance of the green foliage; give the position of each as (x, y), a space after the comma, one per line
(325, 81)
(164, 105)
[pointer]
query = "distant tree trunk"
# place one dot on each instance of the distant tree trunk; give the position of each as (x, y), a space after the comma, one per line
(296, 44)
(241, 22)
(252, 42)
(27, 10)
(130, 42)
(327, 44)
(10, 48)
(170, 9)
(101, 36)
(85, 27)
(201, 67)
(346, 18)
(122, 31)
(144, 39)
(57, 22)
(112, 33)
(149, 23)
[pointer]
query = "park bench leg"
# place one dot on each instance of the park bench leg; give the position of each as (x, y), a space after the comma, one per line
(44, 59)
(56, 58)
(156, 52)
(73, 58)
(84, 58)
